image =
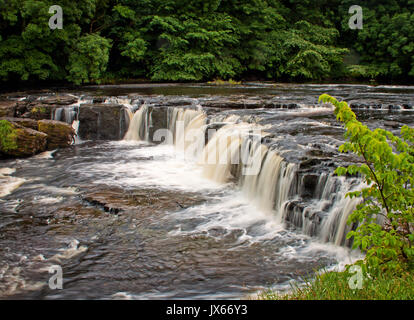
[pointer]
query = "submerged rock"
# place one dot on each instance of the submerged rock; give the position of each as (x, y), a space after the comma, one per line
(116, 200)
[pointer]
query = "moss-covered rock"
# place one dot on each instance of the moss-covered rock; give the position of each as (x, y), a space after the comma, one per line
(39, 111)
(18, 141)
(60, 134)
(24, 122)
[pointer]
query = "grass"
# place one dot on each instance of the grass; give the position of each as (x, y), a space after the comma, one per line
(334, 286)
(219, 82)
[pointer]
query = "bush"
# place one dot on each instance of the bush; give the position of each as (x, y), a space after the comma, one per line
(386, 214)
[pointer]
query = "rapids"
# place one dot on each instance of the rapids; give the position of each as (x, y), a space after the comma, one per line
(218, 202)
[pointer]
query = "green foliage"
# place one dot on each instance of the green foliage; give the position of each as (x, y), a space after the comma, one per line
(203, 40)
(386, 214)
(7, 136)
(89, 58)
(386, 42)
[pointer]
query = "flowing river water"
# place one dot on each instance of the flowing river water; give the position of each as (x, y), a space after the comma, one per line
(133, 219)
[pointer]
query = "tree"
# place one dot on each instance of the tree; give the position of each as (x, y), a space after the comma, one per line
(386, 213)
(89, 58)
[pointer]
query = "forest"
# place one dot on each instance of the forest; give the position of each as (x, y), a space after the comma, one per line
(201, 40)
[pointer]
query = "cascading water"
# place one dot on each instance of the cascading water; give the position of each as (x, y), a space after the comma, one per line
(139, 214)
(234, 154)
(139, 124)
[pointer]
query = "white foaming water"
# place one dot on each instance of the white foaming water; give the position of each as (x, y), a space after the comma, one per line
(223, 159)
(69, 252)
(8, 183)
(230, 211)
(138, 128)
(155, 166)
(54, 190)
(45, 155)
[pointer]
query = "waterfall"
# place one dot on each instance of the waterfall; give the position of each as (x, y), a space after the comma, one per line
(235, 153)
(326, 214)
(221, 151)
(65, 114)
(335, 227)
(139, 125)
(181, 121)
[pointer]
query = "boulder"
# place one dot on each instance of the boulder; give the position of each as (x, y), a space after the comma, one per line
(24, 122)
(39, 111)
(44, 108)
(59, 134)
(18, 141)
(7, 108)
(102, 122)
(159, 120)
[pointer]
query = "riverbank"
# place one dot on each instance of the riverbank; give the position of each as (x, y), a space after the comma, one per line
(56, 86)
(335, 286)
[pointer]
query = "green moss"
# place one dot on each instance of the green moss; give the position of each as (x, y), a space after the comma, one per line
(38, 110)
(8, 136)
(335, 286)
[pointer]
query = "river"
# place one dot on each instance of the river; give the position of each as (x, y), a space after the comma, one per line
(132, 219)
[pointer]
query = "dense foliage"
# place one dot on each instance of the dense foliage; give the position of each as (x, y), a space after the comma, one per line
(195, 40)
(385, 217)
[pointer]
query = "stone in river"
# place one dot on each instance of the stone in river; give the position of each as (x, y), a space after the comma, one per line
(18, 141)
(59, 134)
(102, 122)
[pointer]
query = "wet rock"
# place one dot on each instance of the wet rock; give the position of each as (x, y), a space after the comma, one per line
(39, 111)
(18, 141)
(392, 124)
(59, 134)
(43, 108)
(293, 211)
(102, 122)
(99, 99)
(159, 121)
(393, 107)
(7, 108)
(59, 100)
(309, 183)
(233, 103)
(24, 122)
(115, 200)
(407, 106)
